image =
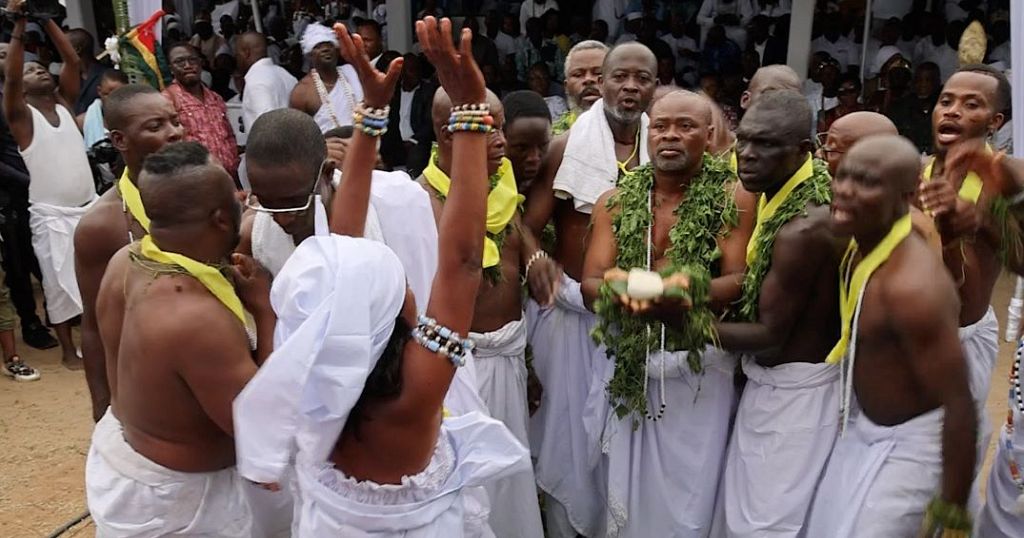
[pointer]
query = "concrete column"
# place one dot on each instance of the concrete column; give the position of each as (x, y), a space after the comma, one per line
(799, 51)
(1017, 75)
(399, 25)
(80, 15)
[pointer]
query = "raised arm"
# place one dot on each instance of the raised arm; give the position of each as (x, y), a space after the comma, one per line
(540, 201)
(19, 118)
(425, 375)
(70, 73)
(352, 200)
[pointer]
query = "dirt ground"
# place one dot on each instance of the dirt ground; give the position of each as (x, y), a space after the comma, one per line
(45, 429)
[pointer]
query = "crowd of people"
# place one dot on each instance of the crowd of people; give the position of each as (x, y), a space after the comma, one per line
(523, 287)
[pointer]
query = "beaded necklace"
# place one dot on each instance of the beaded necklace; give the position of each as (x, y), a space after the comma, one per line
(1016, 404)
(325, 98)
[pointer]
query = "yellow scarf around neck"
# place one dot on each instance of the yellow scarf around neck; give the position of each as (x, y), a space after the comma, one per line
(766, 208)
(208, 275)
(852, 282)
(132, 199)
(502, 202)
(970, 189)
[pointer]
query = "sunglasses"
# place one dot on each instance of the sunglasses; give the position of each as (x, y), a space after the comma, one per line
(824, 149)
(182, 62)
(252, 201)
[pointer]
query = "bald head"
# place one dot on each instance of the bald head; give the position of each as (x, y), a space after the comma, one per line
(625, 51)
(679, 132)
(698, 105)
(893, 159)
(441, 111)
(181, 187)
(847, 130)
(770, 78)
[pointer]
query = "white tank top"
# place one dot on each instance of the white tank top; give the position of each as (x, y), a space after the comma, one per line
(56, 162)
(340, 100)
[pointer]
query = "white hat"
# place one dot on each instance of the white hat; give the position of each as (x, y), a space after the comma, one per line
(634, 15)
(315, 34)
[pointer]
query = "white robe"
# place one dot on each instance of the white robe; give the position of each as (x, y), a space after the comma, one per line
(563, 359)
(501, 380)
(663, 476)
(879, 479)
(53, 233)
(132, 496)
(1000, 518)
(784, 432)
(981, 347)
(472, 451)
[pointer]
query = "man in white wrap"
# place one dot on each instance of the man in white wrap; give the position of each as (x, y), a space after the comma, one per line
(498, 328)
(354, 385)
(329, 92)
(905, 457)
(663, 474)
(787, 324)
(1002, 516)
(61, 188)
(162, 457)
(581, 165)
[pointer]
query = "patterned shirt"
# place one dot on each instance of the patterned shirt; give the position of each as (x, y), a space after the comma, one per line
(206, 121)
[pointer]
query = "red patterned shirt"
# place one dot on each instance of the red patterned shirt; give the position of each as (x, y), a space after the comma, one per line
(206, 121)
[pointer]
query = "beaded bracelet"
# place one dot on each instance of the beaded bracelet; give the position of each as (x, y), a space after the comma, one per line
(371, 121)
(529, 263)
(471, 118)
(442, 340)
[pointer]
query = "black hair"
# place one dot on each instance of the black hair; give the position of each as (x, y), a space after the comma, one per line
(115, 75)
(175, 157)
(789, 108)
(345, 131)
(286, 136)
(385, 380)
(1003, 91)
(115, 105)
(524, 104)
(179, 45)
(370, 22)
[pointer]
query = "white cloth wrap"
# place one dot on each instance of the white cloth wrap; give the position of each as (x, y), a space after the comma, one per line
(501, 380)
(1000, 517)
(314, 34)
(980, 342)
(663, 475)
(563, 359)
(132, 496)
(784, 432)
(339, 100)
(336, 301)
(589, 165)
(53, 240)
(879, 479)
(472, 451)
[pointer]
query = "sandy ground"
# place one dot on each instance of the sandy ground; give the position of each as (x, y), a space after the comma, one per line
(45, 428)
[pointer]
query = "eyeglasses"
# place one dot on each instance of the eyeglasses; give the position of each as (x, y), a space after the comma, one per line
(182, 62)
(824, 149)
(252, 201)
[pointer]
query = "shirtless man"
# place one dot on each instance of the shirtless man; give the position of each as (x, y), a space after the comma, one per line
(786, 423)
(564, 352)
(339, 83)
(162, 457)
(911, 427)
(769, 78)
(582, 81)
(141, 121)
(662, 474)
(498, 327)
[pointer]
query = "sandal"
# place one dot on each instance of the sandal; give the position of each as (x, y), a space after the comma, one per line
(20, 371)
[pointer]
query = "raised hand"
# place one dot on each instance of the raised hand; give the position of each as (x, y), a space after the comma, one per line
(252, 282)
(378, 88)
(456, 69)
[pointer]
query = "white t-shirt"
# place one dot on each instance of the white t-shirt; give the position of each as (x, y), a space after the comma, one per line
(532, 8)
(267, 87)
(404, 116)
(678, 45)
(844, 50)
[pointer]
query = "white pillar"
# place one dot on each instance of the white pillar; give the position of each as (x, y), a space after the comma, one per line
(80, 15)
(799, 52)
(399, 25)
(1017, 76)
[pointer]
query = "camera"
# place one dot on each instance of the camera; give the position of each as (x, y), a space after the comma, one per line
(40, 9)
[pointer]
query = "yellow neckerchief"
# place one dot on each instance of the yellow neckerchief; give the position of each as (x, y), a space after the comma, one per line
(852, 283)
(502, 202)
(734, 164)
(132, 199)
(766, 208)
(636, 147)
(970, 189)
(206, 274)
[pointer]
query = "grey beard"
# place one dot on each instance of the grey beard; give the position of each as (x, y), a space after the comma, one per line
(624, 116)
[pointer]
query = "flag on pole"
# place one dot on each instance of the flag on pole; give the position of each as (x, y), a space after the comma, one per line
(141, 54)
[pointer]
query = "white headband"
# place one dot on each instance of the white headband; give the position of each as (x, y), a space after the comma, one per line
(316, 34)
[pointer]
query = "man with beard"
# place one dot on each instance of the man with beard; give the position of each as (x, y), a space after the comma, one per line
(665, 437)
(582, 164)
(786, 325)
(498, 329)
(582, 81)
(141, 121)
(905, 457)
(527, 135)
(162, 459)
(53, 150)
(329, 92)
(201, 111)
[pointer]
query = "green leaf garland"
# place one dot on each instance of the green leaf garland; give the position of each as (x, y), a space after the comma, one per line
(707, 210)
(816, 189)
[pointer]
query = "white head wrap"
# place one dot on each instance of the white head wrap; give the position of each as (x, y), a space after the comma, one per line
(314, 34)
(884, 54)
(336, 301)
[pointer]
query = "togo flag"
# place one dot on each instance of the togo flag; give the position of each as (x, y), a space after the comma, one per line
(142, 55)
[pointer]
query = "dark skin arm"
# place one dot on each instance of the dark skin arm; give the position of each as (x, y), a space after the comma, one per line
(252, 283)
(70, 74)
(352, 200)
(91, 258)
(925, 318)
(540, 200)
(602, 250)
(19, 118)
(727, 288)
(545, 274)
(797, 257)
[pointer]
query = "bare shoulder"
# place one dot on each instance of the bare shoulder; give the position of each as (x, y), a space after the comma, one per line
(604, 202)
(915, 284)
(102, 230)
(557, 147)
(813, 227)
(200, 321)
